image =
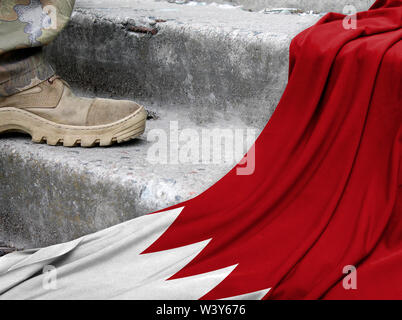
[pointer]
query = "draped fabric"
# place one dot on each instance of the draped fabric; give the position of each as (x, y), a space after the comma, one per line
(326, 193)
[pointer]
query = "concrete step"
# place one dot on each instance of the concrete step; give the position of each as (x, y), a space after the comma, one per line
(196, 68)
(302, 5)
(54, 194)
(207, 57)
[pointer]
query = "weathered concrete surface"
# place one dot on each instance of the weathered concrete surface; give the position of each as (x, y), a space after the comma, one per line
(206, 67)
(207, 58)
(54, 194)
(304, 5)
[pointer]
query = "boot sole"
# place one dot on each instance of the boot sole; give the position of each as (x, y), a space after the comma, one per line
(43, 130)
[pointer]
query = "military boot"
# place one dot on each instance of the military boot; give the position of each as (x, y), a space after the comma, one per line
(51, 113)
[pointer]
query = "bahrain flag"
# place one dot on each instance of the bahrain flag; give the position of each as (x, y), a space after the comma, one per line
(326, 195)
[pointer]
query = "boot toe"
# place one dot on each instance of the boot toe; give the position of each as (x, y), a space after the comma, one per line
(105, 111)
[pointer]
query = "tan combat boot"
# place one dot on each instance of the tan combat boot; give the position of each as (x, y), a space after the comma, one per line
(51, 112)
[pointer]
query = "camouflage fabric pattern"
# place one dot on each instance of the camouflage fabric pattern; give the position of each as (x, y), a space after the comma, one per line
(25, 27)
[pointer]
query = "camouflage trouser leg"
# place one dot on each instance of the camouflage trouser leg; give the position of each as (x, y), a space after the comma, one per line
(26, 26)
